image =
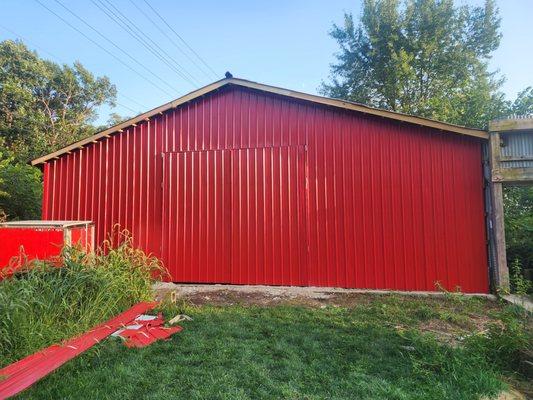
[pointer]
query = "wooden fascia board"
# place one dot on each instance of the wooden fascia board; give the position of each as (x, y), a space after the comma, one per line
(268, 89)
(506, 125)
(130, 122)
(365, 109)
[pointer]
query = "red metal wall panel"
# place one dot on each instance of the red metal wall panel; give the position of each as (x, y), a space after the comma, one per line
(387, 204)
(25, 241)
(34, 244)
(235, 216)
(196, 222)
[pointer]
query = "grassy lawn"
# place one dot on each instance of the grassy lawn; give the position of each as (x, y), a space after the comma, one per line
(368, 347)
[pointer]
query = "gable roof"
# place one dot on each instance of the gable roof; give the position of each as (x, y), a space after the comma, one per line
(347, 105)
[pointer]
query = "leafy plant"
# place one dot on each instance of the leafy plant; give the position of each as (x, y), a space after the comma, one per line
(504, 343)
(20, 190)
(519, 284)
(518, 206)
(423, 57)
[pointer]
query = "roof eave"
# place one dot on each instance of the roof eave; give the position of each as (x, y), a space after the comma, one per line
(269, 89)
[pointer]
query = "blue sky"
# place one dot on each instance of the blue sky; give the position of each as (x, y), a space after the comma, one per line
(284, 43)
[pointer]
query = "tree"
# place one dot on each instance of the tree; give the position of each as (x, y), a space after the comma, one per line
(22, 187)
(44, 105)
(523, 105)
(518, 202)
(422, 57)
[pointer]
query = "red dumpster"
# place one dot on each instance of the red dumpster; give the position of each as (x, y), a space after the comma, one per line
(43, 240)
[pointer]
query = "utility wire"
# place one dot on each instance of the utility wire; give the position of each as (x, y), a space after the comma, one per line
(103, 48)
(60, 60)
(132, 100)
(141, 32)
(126, 107)
(191, 59)
(125, 23)
(32, 43)
(114, 44)
(180, 38)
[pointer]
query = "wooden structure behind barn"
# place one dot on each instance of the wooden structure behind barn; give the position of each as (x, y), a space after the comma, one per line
(511, 159)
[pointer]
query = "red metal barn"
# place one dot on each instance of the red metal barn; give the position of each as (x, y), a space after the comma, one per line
(245, 183)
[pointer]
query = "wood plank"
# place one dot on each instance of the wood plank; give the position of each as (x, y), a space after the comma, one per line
(269, 89)
(502, 271)
(512, 124)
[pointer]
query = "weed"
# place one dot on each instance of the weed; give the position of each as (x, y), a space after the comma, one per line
(43, 304)
(504, 343)
(519, 284)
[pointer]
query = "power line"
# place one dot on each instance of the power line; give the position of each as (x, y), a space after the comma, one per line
(173, 65)
(103, 48)
(172, 59)
(117, 19)
(126, 107)
(59, 59)
(201, 68)
(180, 38)
(132, 100)
(34, 44)
(113, 43)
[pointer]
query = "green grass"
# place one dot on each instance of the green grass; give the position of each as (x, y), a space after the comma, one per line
(367, 351)
(42, 304)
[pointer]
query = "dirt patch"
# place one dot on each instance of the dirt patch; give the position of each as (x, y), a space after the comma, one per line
(248, 298)
(265, 296)
(450, 322)
(223, 295)
(444, 332)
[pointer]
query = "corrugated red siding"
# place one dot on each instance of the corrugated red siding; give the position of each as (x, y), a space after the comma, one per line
(236, 216)
(317, 196)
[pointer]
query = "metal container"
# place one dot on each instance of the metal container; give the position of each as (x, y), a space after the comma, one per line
(22, 241)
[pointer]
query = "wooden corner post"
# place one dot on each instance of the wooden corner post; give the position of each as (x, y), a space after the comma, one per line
(501, 273)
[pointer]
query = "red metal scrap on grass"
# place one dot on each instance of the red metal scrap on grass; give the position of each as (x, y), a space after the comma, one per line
(22, 374)
(149, 332)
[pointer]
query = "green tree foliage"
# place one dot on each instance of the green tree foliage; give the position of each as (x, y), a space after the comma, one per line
(4, 164)
(519, 225)
(22, 188)
(423, 57)
(44, 105)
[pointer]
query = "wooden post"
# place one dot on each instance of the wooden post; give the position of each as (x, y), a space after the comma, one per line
(502, 271)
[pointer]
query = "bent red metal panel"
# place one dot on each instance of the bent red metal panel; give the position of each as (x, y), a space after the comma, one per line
(20, 375)
(389, 205)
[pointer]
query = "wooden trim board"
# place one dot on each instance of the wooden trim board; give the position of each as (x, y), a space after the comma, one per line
(268, 89)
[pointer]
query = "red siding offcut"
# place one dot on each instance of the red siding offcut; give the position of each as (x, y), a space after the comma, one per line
(385, 204)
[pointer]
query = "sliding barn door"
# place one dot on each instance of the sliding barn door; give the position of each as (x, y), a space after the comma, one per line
(268, 218)
(196, 224)
(236, 216)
